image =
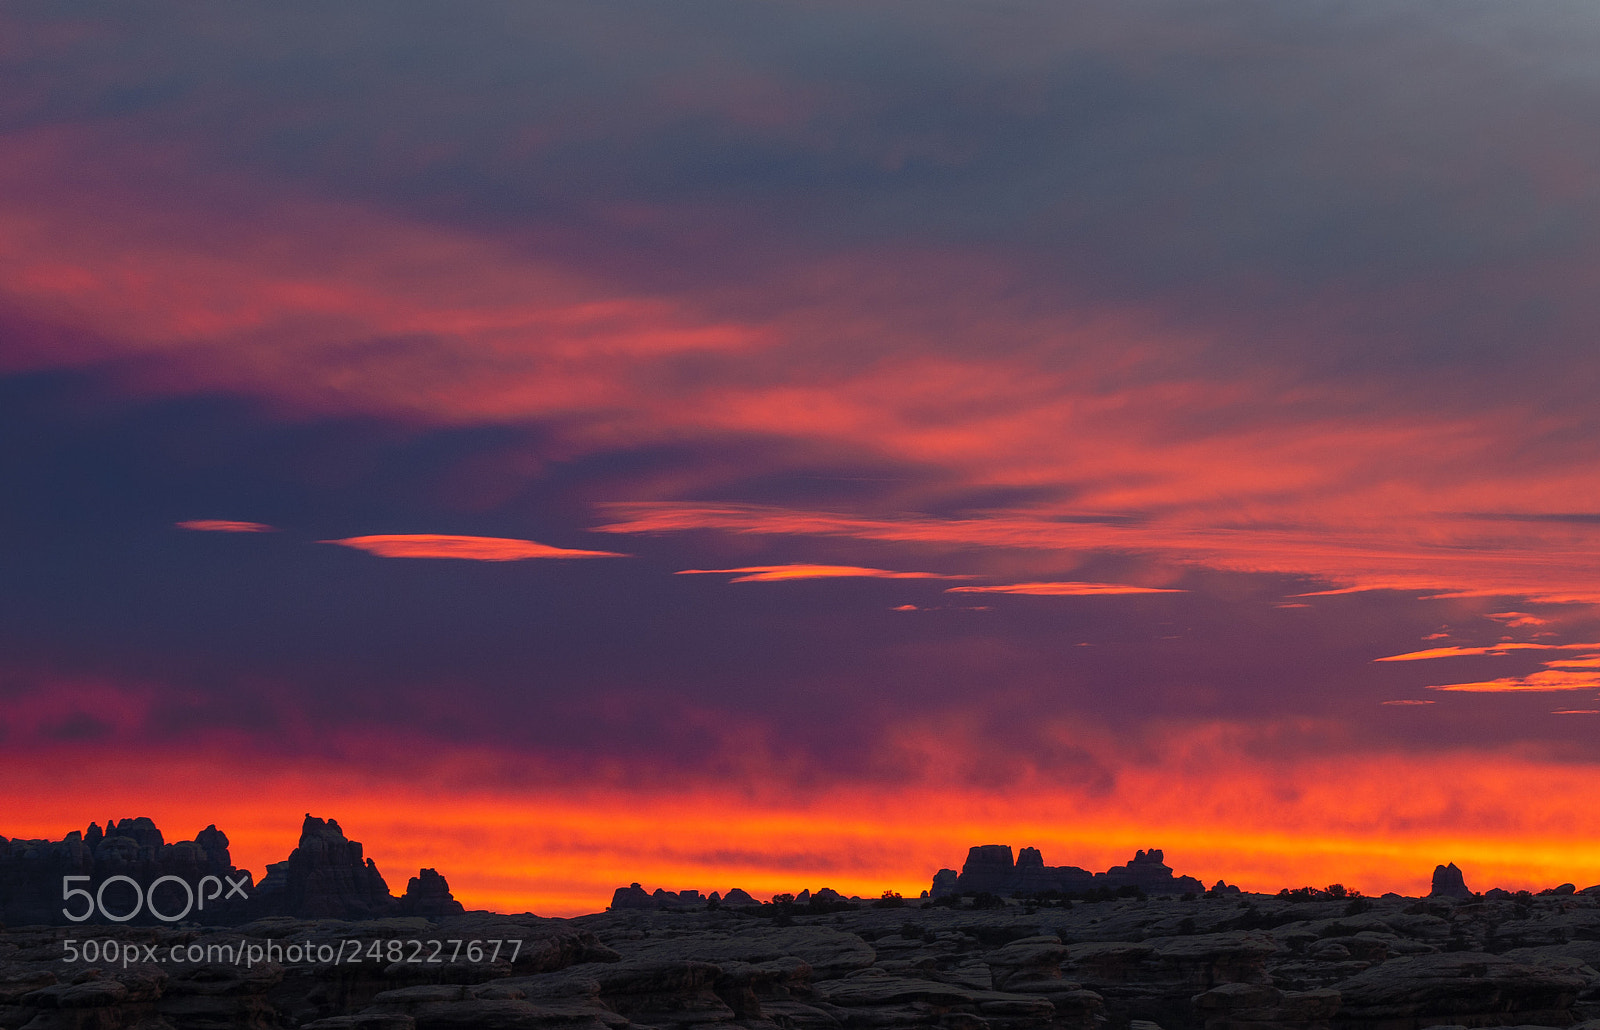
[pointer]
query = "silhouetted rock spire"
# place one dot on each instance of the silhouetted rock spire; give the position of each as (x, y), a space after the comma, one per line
(1449, 883)
(326, 878)
(428, 895)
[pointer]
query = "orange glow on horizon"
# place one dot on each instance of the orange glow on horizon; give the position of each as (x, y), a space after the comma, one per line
(1377, 823)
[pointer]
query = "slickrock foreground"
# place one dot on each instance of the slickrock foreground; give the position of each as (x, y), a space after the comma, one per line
(1232, 961)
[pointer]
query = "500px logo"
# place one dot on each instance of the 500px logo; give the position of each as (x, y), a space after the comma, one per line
(194, 898)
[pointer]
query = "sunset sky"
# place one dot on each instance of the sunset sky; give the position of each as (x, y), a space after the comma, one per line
(781, 444)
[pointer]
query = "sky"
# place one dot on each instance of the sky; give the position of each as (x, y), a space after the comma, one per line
(780, 445)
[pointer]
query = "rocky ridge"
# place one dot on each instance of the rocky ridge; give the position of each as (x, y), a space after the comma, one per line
(990, 868)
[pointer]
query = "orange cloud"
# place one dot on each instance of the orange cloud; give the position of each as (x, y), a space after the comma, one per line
(1547, 680)
(472, 548)
(1495, 649)
(1062, 589)
(776, 573)
(1517, 619)
(225, 526)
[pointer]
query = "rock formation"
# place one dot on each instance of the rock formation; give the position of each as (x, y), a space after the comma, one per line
(428, 895)
(1449, 883)
(31, 872)
(990, 869)
(325, 877)
(637, 898)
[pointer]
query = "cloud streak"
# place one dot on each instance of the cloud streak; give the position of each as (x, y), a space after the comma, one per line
(1062, 589)
(467, 548)
(225, 526)
(1548, 680)
(1490, 649)
(781, 573)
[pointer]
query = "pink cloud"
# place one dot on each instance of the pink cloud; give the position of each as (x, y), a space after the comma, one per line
(144, 259)
(472, 548)
(225, 526)
(1517, 619)
(1062, 589)
(777, 573)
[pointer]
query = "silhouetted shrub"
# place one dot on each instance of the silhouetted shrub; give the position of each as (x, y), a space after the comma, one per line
(983, 899)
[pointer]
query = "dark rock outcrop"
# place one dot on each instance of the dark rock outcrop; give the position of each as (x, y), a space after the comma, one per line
(991, 869)
(32, 871)
(325, 877)
(1461, 988)
(634, 896)
(428, 895)
(1449, 883)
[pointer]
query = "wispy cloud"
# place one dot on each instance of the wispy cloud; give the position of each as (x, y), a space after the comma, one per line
(776, 573)
(1545, 680)
(1581, 672)
(1357, 552)
(1491, 649)
(225, 526)
(1585, 662)
(471, 548)
(1067, 589)
(1517, 619)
